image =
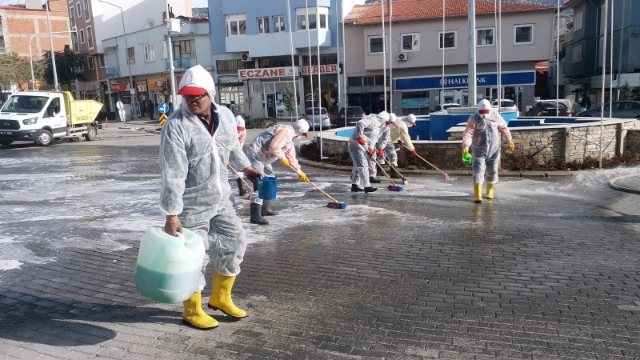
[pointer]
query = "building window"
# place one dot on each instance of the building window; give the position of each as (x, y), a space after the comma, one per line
(101, 61)
(376, 45)
(577, 21)
(131, 55)
(74, 41)
(78, 10)
(87, 15)
(278, 23)
(263, 25)
(484, 37)
(149, 53)
(91, 62)
(523, 34)
(448, 40)
(410, 42)
(415, 102)
(81, 65)
(2, 45)
(324, 60)
(90, 37)
(82, 40)
(313, 19)
(184, 49)
(165, 52)
(72, 17)
(576, 54)
(236, 24)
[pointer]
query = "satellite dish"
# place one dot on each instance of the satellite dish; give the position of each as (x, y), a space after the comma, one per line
(150, 22)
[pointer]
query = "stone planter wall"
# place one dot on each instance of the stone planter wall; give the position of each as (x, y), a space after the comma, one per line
(632, 141)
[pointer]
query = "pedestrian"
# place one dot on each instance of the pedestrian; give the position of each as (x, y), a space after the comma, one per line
(400, 134)
(482, 133)
(275, 143)
(151, 109)
(170, 108)
(361, 148)
(196, 143)
(242, 135)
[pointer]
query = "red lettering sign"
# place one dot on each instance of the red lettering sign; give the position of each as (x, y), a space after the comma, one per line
(117, 87)
(265, 73)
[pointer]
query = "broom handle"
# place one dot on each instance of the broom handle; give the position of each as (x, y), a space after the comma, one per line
(380, 166)
(391, 166)
(425, 160)
(234, 170)
(316, 186)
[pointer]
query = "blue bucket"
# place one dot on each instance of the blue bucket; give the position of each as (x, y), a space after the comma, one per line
(267, 188)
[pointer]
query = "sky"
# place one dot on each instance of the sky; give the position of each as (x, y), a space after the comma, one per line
(199, 3)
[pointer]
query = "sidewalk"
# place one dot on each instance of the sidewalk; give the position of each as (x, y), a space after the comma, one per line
(629, 183)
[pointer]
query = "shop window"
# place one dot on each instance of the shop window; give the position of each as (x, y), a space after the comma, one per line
(448, 40)
(236, 24)
(410, 42)
(523, 34)
(484, 37)
(278, 23)
(131, 55)
(376, 45)
(415, 102)
(263, 25)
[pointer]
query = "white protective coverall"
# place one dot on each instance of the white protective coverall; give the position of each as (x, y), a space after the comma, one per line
(194, 177)
(242, 136)
(369, 130)
(482, 133)
(399, 132)
(275, 143)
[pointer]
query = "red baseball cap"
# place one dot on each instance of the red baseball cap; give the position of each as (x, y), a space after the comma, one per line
(191, 90)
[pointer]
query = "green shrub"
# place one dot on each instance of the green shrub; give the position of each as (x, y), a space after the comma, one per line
(261, 123)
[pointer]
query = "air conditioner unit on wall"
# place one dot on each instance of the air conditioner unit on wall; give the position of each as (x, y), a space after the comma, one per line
(403, 56)
(246, 57)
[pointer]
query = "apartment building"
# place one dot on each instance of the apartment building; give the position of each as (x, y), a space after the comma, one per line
(418, 44)
(253, 42)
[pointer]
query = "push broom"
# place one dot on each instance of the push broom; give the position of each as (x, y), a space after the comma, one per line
(444, 174)
(241, 178)
(404, 179)
(393, 186)
(332, 205)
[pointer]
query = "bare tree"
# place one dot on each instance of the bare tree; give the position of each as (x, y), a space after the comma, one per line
(15, 69)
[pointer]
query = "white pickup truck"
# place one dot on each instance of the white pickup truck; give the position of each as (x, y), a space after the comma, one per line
(43, 116)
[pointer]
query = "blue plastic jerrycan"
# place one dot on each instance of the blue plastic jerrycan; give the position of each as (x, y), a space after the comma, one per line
(168, 267)
(267, 188)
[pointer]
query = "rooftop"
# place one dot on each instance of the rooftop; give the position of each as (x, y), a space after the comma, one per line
(406, 10)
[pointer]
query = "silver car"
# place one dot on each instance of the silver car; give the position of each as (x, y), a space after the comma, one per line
(316, 116)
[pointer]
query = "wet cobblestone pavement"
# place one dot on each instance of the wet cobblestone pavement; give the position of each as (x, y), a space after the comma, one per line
(548, 269)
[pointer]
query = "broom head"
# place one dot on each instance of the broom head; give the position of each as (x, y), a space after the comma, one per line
(395, 188)
(337, 205)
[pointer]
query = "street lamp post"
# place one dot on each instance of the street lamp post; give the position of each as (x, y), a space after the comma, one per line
(53, 54)
(55, 74)
(124, 32)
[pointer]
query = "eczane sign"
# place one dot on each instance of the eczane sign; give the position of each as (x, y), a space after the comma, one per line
(245, 74)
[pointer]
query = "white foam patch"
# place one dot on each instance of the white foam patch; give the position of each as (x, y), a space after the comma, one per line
(7, 240)
(10, 264)
(282, 195)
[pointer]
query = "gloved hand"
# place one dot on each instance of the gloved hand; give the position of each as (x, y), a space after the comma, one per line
(381, 153)
(370, 151)
(399, 141)
(512, 146)
(302, 177)
(361, 141)
(465, 150)
(414, 152)
(229, 163)
(284, 162)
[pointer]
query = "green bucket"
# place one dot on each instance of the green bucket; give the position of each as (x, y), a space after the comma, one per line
(466, 159)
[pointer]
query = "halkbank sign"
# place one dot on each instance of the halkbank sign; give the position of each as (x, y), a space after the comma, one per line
(462, 81)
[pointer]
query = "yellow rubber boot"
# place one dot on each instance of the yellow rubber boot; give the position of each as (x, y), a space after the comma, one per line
(221, 296)
(477, 192)
(490, 191)
(195, 316)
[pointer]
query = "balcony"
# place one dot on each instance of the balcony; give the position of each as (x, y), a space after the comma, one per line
(112, 71)
(275, 44)
(179, 63)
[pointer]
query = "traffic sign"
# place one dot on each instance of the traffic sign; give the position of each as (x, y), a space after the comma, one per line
(163, 108)
(162, 119)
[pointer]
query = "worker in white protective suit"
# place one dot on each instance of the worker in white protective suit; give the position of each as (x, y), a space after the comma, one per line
(482, 133)
(242, 135)
(399, 133)
(381, 144)
(275, 143)
(361, 148)
(196, 143)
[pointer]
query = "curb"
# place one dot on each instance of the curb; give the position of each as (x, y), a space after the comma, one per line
(612, 184)
(511, 174)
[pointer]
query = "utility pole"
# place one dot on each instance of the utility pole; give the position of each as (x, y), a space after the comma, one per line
(472, 54)
(53, 53)
(171, 65)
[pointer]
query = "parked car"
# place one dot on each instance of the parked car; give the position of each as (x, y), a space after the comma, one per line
(545, 108)
(620, 109)
(445, 107)
(506, 105)
(352, 113)
(316, 116)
